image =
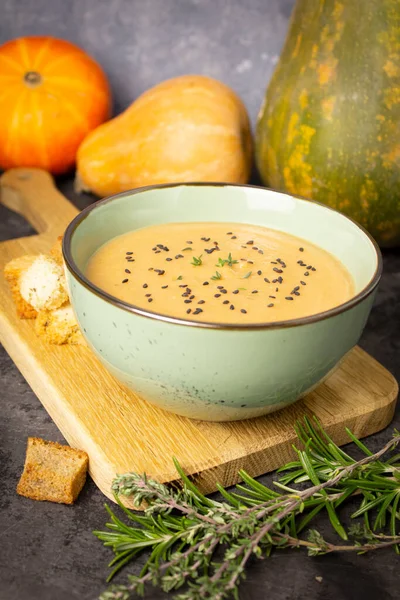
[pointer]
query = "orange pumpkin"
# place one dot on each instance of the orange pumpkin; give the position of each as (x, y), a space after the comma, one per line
(52, 95)
(190, 128)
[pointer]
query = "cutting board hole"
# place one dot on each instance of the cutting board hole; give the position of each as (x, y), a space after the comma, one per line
(13, 225)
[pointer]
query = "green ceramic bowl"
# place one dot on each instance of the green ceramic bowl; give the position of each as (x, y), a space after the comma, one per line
(213, 371)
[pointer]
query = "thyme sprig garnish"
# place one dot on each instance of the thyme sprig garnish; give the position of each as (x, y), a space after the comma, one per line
(226, 261)
(216, 276)
(197, 261)
(183, 528)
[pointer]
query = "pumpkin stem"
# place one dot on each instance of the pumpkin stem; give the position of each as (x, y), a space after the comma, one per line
(33, 78)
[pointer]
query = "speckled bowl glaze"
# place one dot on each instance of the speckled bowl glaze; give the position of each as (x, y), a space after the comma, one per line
(213, 371)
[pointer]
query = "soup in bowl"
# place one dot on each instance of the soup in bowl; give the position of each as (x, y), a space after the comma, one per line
(216, 301)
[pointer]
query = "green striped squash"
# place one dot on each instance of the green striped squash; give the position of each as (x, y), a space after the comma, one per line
(329, 128)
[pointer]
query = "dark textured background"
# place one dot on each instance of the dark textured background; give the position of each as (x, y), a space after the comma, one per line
(47, 552)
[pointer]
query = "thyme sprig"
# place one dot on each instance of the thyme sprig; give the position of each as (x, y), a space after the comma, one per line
(183, 529)
(226, 261)
(197, 261)
(216, 276)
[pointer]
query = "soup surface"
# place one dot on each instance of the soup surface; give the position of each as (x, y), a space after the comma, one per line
(218, 272)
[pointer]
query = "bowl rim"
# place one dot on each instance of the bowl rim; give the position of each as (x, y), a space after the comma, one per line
(316, 317)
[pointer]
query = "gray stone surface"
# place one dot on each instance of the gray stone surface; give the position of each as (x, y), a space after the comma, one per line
(47, 552)
(141, 42)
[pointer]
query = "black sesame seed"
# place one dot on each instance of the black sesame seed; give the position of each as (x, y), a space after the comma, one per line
(232, 307)
(296, 293)
(224, 291)
(225, 302)
(198, 311)
(185, 295)
(274, 297)
(209, 250)
(168, 259)
(130, 260)
(125, 280)
(259, 272)
(266, 280)
(260, 252)
(273, 262)
(201, 302)
(235, 292)
(313, 269)
(147, 295)
(277, 270)
(250, 262)
(187, 301)
(301, 249)
(250, 242)
(309, 267)
(254, 292)
(306, 274)
(234, 237)
(161, 246)
(164, 287)
(155, 248)
(229, 233)
(129, 253)
(151, 269)
(288, 298)
(206, 283)
(182, 285)
(280, 279)
(254, 248)
(192, 296)
(188, 242)
(269, 305)
(277, 289)
(296, 288)
(215, 243)
(160, 271)
(303, 283)
(149, 299)
(274, 281)
(127, 271)
(217, 295)
(205, 239)
(242, 310)
(189, 310)
(220, 287)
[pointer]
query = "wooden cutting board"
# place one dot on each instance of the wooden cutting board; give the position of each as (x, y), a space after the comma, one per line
(121, 432)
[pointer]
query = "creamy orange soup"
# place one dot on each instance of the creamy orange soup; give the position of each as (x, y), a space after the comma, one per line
(218, 272)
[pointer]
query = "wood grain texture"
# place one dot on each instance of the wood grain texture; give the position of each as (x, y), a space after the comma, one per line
(122, 432)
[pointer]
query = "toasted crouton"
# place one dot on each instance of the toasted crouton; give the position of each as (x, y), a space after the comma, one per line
(56, 251)
(43, 284)
(59, 326)
(52, 472)
(12, 272)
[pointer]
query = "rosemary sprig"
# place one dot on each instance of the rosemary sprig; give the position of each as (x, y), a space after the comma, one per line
(183, 528)
(196, 261)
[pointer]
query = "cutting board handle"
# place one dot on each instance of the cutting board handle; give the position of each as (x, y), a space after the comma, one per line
(33, 194)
